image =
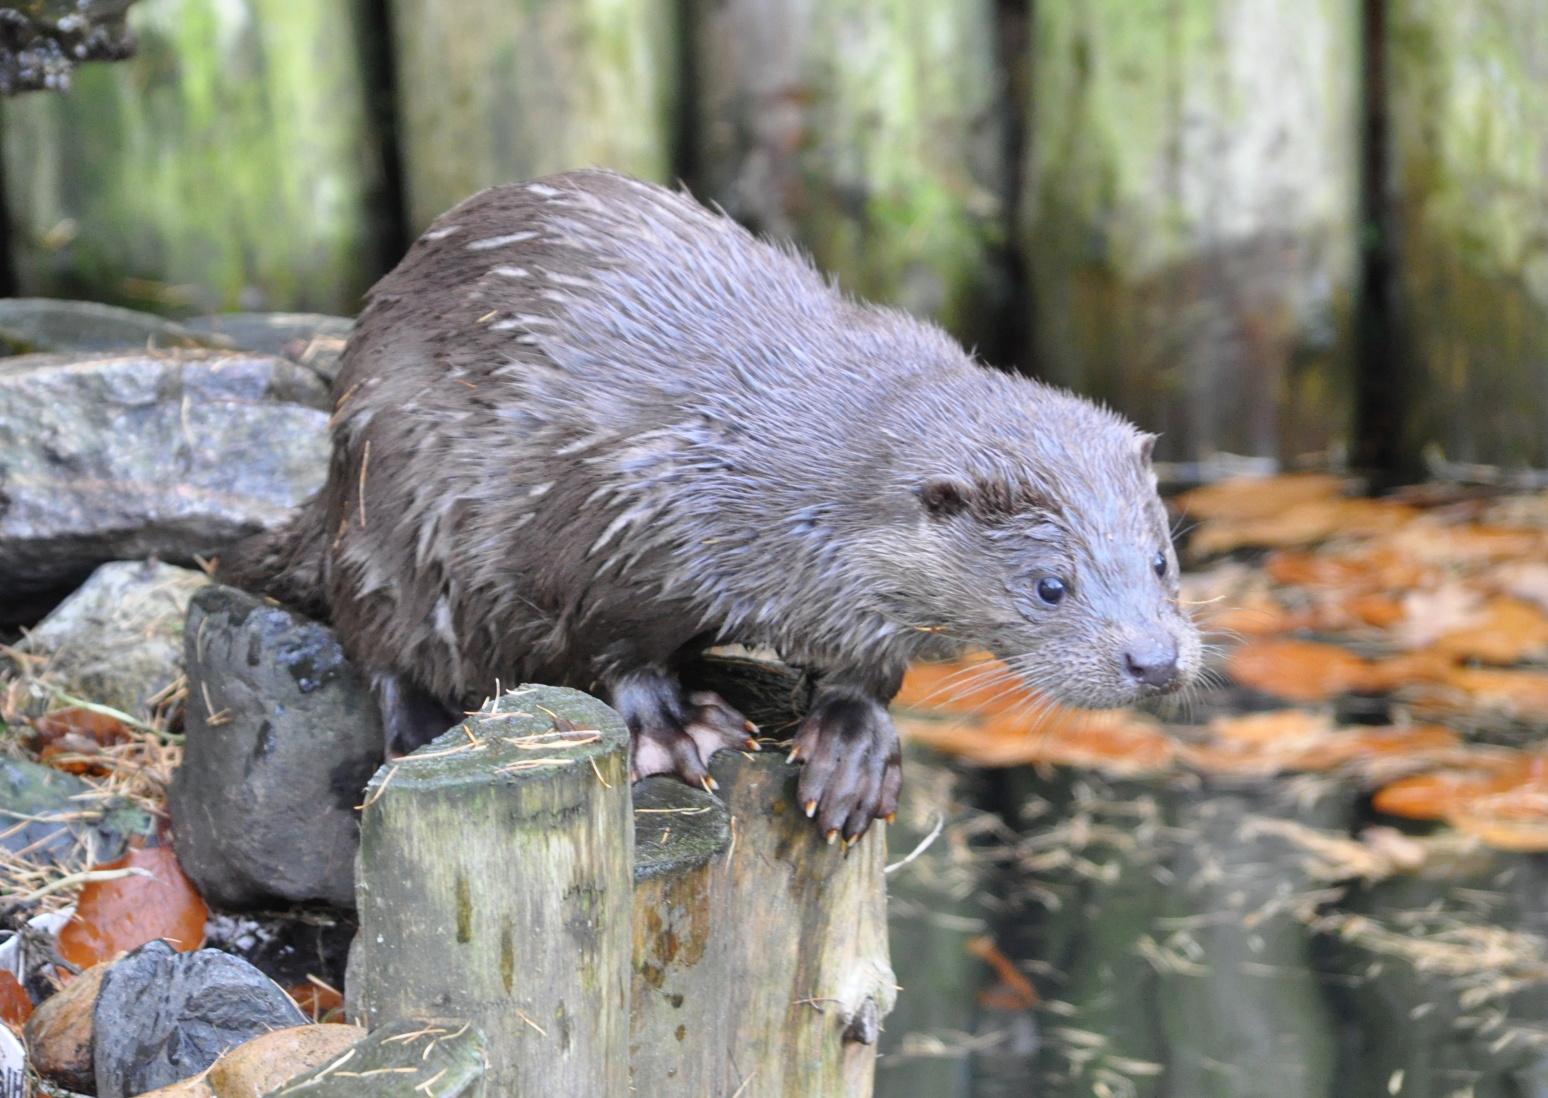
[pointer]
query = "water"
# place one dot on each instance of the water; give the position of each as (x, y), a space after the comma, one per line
(1209, 938)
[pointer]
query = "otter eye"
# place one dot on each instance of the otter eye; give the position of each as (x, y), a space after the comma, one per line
(1051, 590)
(1158, 563)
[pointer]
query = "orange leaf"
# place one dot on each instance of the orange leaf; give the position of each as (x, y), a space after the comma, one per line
(15, 1003)
(1256, 497)
(1507, 631)
(115, 916)
(1298, 670)
(1013, 991)
(84, 725)
(316, 999)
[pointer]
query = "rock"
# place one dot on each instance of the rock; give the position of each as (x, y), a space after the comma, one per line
(119, 639)
(195, 1086)
(265, 1062)
(169, 454)
(315, 340)
(87, 830)
(37, 324)
(59, 1033)
(162, 1016)
(282, 736)
(41, 41)
(447, 1060)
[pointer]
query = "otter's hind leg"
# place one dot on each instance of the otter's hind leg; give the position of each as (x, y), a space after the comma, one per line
(411, 715)
(671, 734)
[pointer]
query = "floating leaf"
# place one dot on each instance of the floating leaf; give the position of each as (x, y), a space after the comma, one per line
(115, 916)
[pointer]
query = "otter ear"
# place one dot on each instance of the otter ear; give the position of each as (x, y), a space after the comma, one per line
(943, 496)
(1147, 447)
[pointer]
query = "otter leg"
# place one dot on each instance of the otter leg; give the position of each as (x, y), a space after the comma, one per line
(670, 734)
(853, 762)
(411, 715)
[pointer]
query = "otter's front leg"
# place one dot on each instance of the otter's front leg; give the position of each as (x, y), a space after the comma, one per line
(853, 763)
(671, 734)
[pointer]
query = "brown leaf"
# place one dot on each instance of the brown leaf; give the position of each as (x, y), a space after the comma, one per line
(15, 1003)
(1012, 990)
(115, 916)
(82, 726)
(1298, 670)
(1241, 498)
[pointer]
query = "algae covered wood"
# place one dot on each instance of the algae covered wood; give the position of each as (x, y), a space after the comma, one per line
(871, 134)
(1188, 215)
(491, 92)
(227, 163)
(1466, 101)
(494, 885)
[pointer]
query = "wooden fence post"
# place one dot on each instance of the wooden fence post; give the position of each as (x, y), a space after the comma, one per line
(872, 134)
(228, 164)
(1466, 102)
(491, 91)
(1188, 217)
(494, 887)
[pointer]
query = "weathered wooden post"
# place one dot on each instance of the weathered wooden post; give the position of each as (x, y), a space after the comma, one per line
(1466, 108)
(495, 886)
(872, 134)
(494, 92)
(228, 164)
(1188, 215)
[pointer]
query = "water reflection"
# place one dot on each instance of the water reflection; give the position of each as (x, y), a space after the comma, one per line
(1195, 938)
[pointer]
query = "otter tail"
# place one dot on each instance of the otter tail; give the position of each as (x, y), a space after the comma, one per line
(284, 563)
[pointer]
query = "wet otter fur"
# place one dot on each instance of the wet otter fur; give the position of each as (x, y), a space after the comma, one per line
(588, 427)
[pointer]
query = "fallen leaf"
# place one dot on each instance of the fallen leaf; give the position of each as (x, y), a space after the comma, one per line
(1298, 670)
(1307, 523)
(15, 1003)
(1256, 497)
(1012, 990)
(115, 916)
(85, 725)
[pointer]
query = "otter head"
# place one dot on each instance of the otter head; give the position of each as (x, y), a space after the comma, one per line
(1053, 550)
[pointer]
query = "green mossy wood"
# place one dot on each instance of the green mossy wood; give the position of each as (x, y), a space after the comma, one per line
(871, 134)
(1188, 215)
(491, 91)
(494, 885)
(228, 163)
(1467, 103)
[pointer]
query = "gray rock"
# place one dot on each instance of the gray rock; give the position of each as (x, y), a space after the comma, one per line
(263, 807)
(162, 1016)
(56, 817)
(118, 639)
(30, 325)
(168, 454)
(41, 41)
(315, 340)
(444, 1059)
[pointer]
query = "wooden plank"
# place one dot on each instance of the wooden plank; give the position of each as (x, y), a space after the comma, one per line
(1188, 218)
(1467, 110)
(870, 133)
(491, 91)
(227, 164)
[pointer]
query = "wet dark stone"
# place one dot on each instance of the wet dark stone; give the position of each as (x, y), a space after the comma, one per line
(312, 339)
(30, 325)
(263, 807)
(162, 1016)
(287, 946)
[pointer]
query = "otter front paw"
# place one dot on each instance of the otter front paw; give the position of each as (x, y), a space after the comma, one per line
(853, 765)
(669, 737)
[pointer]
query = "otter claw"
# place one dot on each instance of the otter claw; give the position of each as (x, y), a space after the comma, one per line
(832, 836)
(810, 808)
(852, 764)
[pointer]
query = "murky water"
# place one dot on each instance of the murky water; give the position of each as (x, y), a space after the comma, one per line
(1209, 939)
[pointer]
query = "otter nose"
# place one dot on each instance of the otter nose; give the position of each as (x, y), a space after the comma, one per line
(1152, 662)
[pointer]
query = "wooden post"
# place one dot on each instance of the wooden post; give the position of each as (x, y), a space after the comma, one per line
(491, 866)
(491, 91)
(494, 886)
(227, 163)
(1189, 215)
(870, 133)
(1466, 101)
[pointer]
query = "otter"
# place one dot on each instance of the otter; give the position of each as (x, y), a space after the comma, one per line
(588, 427)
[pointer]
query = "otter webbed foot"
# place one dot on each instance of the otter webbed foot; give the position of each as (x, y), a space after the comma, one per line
(669, 734)
(853, 764)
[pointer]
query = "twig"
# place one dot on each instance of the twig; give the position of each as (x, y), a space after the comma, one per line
(924, 844)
